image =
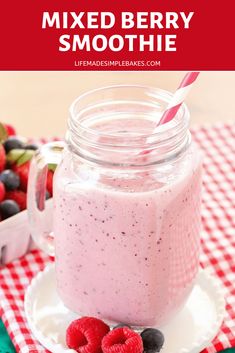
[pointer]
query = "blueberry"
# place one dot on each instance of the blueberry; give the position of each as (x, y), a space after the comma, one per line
(12, 143)
(121, 325)
(9, 208)
(153, 340)
(31, 147)
(10, 179)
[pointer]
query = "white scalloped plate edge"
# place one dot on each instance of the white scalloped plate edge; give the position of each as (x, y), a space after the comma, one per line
(203, 276)
(28, 304)
(219, 301)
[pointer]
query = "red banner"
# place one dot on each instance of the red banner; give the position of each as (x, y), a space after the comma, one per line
(111, 35)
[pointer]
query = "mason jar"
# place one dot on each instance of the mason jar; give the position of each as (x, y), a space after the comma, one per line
(126, 219)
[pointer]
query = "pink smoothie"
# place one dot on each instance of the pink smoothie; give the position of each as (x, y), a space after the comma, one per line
(126, 250)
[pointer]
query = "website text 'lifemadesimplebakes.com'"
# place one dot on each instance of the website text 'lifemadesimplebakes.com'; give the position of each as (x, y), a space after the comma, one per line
(117, 63)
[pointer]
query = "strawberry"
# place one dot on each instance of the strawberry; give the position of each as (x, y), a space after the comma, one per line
(85, 335)
(50, 182)
(23, 171)
(2, 158)
(2, 191)
(22, 165)
(10, 130)
(19, 197)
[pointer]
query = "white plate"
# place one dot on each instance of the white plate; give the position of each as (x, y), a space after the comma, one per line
(192, 329)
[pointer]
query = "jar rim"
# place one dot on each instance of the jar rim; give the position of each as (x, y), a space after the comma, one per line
(175, 124)
(126, 146)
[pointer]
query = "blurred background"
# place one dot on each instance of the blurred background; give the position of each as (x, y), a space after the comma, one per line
(36, 103)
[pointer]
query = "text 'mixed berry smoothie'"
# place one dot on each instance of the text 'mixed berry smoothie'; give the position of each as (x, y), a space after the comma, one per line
(126, 224)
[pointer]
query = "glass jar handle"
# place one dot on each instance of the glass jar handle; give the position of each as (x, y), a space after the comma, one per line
(40, 213)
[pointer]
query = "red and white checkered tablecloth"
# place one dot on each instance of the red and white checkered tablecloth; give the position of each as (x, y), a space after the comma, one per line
(218, 243)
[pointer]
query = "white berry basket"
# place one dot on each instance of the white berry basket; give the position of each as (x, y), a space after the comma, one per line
(15, 239)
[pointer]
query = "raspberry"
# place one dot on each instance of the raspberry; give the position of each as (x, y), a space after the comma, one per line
(85, 335)
(19, 197)
(122, 340)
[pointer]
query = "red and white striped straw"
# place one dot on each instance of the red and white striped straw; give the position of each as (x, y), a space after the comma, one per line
(178, 97)
(177, 100)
